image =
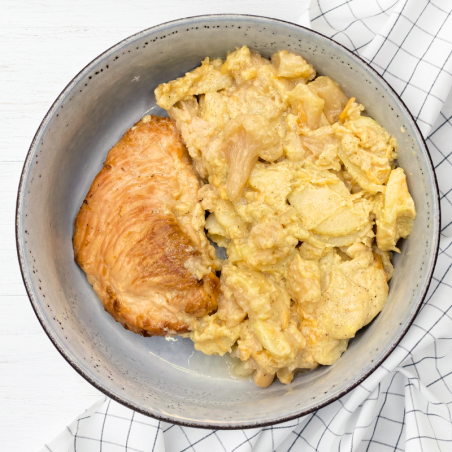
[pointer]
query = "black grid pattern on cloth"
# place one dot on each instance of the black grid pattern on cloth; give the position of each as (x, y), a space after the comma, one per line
(407, 403)
(408, 42)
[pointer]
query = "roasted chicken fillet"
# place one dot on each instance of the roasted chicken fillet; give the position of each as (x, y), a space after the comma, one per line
(139, 235)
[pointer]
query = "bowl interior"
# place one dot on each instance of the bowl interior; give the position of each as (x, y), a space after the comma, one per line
(168, 378)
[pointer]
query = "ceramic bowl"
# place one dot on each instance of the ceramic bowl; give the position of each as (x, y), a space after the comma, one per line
(164, 379)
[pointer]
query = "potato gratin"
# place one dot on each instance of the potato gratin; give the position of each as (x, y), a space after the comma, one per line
(304, 194)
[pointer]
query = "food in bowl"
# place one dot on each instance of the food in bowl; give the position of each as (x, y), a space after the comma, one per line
(302, 192)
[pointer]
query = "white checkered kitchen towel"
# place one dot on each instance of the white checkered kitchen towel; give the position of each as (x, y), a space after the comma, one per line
(406, 404)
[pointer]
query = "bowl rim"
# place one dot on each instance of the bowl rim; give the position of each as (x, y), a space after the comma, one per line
(199, 424)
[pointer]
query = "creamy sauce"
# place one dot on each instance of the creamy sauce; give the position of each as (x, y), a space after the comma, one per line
(303, 194)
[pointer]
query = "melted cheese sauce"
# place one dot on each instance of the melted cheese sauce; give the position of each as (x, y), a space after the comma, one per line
(303, 193)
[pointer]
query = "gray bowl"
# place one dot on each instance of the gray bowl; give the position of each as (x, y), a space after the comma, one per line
(169, 380)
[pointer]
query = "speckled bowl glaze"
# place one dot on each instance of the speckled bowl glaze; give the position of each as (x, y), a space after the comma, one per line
(169, 380)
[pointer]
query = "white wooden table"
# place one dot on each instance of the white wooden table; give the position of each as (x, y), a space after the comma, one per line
(43, 44)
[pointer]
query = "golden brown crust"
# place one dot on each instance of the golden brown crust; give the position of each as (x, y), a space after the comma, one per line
(132, 243)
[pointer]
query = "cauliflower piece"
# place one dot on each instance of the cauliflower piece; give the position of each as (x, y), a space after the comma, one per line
(246, 138)
(335, 99)
(289, 65)
(242, 64)
(322, 148)
(394, 212)
(206, 78)
(315, 146)
(307, 104)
